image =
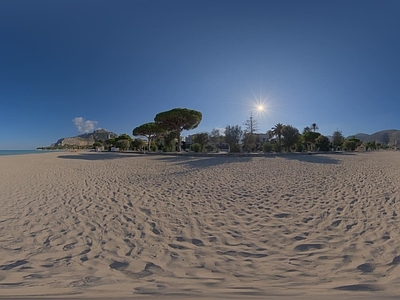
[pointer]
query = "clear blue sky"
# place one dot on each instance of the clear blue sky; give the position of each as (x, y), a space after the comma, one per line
(118, 63)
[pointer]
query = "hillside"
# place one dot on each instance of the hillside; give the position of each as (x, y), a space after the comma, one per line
(361, 136)
(389, 137)
(86, 139)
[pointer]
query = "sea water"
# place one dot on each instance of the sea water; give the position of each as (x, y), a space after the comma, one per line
(19, 152)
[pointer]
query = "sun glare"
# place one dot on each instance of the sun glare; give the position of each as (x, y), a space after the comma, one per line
(259, 107)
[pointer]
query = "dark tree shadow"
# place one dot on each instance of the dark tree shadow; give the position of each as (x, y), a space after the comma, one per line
(99, 155)
(314, 158)
(203, 161)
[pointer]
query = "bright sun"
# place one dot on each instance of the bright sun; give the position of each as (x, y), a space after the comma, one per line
(260, 107)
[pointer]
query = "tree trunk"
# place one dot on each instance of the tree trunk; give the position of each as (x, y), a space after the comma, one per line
(178, 131)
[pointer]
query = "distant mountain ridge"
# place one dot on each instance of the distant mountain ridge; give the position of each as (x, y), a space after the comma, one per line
(389, 137)
(86, 139)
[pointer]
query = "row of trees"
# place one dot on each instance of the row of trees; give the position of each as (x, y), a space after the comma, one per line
(123, 142)
(165, 133)
(166, 129)
(280, 137)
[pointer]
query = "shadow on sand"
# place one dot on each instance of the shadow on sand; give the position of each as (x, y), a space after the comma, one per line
(203, 161)
(99, 155)
(316, 159)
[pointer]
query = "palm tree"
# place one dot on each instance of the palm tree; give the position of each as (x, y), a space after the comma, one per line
(306, 129)
(314, 126)
(277, 130)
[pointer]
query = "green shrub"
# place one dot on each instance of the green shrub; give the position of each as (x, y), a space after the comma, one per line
(349, 145)
(267, 147)
(210, 148)
(195, 147)
(299, 147)
(234, 149)
(153, 147)
(277, 147)
(122, 144)
(322, 143)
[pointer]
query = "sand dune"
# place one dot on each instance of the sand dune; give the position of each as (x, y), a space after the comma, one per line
(128, 225)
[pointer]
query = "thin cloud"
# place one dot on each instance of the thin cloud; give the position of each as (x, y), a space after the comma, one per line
(221, 130)
(83, 125)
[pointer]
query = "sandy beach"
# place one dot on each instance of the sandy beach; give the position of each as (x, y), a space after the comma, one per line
(109, 225)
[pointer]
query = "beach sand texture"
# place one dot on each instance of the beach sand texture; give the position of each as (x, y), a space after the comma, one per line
(123, 225)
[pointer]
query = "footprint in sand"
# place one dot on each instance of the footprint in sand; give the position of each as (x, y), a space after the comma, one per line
(366, 268)
(306, 247)
(396, 261)
(282, 215)
(13, 265)
(120, 266)
(360, 288)
(69, 246)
